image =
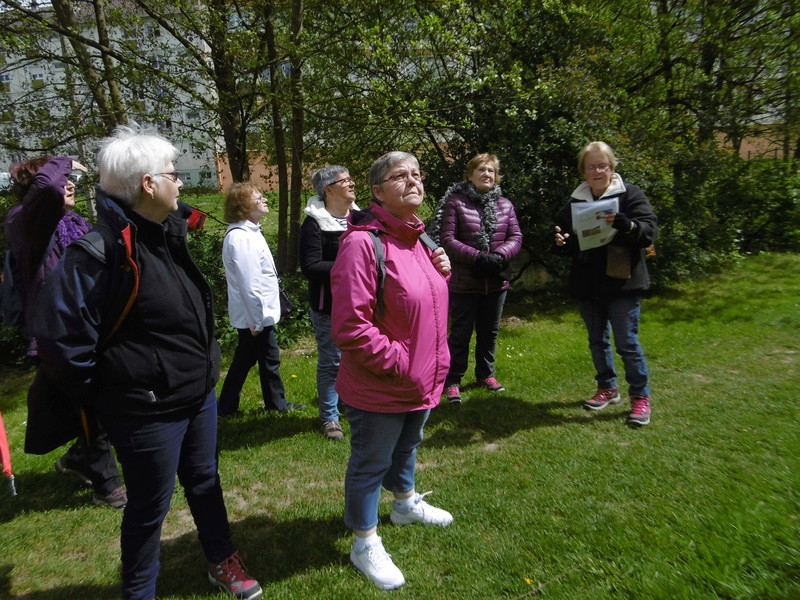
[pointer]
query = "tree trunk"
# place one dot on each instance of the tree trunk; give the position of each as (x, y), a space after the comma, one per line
(298, 141)
(279, 138)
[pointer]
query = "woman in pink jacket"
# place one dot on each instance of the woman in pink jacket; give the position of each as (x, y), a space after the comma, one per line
(394, 357)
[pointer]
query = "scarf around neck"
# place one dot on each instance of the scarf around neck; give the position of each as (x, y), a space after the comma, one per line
(488, 209)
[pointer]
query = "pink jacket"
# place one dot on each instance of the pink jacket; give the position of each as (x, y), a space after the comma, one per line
(397, 361)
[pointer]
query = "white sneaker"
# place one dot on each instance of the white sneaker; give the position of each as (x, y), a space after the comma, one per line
(421, 512)
(377, 565)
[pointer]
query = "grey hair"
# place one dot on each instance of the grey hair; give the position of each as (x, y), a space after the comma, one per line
(379, 169)
(602, 147)
(326, 176)
(128, 154)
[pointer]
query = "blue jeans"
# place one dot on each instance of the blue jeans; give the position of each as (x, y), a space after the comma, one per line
(620, 315)
(383, 452)
(328, 357)
(251, 349)
(151, 451)
(481, 312)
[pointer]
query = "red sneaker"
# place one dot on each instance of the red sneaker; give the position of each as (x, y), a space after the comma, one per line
(231, 577)
(640, 411)
(491, 384)
(602, 398)
(453, 394)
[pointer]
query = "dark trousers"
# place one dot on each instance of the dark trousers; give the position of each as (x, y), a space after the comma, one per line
(482, 313)
(262, 349)
(152, 450)
(95, 459)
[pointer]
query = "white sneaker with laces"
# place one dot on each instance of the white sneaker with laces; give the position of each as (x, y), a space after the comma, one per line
(374, 562)
(421, 512)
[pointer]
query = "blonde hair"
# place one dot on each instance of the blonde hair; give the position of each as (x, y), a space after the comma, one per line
(479, 159)
(602, 147)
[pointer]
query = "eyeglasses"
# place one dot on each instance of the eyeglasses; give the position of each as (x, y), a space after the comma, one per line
(174, 175)
(345, 180)
(403, 176)
(600, 167)
(75, 176)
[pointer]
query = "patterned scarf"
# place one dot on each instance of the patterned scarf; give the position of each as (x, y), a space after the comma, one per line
(488, 204)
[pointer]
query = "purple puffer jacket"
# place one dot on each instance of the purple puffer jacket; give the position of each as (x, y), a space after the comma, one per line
(29, 227)
(461, 223)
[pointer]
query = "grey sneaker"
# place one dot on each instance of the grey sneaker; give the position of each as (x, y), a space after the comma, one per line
(117, 498)
(374, 562)
(332, 430)
(420, 512)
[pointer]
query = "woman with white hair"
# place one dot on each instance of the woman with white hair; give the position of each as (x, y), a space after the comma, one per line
(129, 318)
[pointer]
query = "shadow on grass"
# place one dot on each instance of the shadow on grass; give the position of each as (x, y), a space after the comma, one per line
(42, 492)
(68, 592)
(258, 427)
(483, 419)
(271, 550)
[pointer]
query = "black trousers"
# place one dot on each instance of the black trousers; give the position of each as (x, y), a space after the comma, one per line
(262, 349)
(95, 459)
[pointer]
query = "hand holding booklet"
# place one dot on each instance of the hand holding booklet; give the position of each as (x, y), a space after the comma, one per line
(588, 222)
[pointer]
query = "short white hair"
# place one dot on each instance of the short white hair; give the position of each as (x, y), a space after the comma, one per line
(128, 154)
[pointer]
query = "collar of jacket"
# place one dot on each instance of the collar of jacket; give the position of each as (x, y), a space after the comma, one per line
(377, 217)
(584, 192)
(316, 208)
(245, 224)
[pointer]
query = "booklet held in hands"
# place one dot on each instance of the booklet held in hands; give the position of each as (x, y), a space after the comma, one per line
(588, 222)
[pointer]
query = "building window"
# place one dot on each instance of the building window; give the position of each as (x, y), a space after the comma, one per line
(37, 81)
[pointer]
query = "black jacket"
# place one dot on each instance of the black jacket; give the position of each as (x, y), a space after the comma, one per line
(163, 356)
(587, 277)
(318, 250)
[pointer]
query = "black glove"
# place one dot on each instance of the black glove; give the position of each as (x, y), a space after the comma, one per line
(622, 223)
(487, 264)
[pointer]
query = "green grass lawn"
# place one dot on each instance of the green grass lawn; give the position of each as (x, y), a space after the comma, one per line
(549, 500)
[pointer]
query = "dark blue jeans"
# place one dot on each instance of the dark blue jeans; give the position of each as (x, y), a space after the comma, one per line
(621, 316)
(151, 451)
(251, 349)
(481, 312)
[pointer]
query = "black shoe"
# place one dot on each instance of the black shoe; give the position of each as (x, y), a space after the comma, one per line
(290, 406)
(116, 498)
(67, 467)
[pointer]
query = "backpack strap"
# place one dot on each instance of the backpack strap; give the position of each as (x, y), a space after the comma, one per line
(380, 261)
(428, 241)
(94, 244)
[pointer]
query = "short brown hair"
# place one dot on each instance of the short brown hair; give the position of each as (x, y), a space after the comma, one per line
(239, 201)
(23, 173)
(477, 160)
